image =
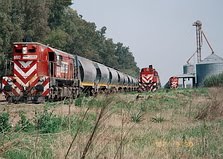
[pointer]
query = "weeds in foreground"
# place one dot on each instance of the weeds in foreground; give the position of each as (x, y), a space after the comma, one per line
(4, 122)
(116, 135)
(158, 119)
(137, 116)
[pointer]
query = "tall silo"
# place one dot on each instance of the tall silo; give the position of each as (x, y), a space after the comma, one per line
(211, 65)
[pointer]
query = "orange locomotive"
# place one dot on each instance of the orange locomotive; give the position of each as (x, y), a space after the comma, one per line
(149, 79)
(40, 72)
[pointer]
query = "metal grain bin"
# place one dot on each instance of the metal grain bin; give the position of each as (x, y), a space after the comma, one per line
(211, 65)
(102, 76)
(87, 70)
(188, 69)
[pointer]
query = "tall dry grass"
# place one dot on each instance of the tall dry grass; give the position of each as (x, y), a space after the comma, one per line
(175, 124)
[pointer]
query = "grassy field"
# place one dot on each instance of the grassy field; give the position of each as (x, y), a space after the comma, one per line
(167, 124)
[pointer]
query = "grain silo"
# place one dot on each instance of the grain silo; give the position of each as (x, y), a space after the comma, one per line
(211, 65)
(189, 69)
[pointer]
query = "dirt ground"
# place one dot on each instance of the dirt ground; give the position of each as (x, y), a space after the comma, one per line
(2, 98)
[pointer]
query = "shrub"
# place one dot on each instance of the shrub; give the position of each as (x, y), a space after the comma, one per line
(24, 123)
(214, 81)
(47, 122)
(4, 122)
(157, 119)
(137, 117)
(79, 101)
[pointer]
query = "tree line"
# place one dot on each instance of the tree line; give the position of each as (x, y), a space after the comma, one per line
(55, 23)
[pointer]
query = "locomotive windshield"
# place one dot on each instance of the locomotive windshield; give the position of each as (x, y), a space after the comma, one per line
(24, 49)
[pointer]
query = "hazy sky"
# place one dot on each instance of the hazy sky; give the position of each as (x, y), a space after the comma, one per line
(158, 32)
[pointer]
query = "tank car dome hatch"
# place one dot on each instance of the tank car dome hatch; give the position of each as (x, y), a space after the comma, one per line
(211, 65)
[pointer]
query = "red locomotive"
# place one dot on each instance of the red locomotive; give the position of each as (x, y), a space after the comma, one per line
(41, 72)
(173, 82)
(149, 79)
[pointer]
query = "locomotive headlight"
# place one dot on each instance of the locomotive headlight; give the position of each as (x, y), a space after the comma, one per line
(7, 88)
(24, 50)
(9, 81)
(41, 79)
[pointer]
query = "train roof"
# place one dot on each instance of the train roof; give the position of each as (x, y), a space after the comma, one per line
(25, 43)
(47, 46)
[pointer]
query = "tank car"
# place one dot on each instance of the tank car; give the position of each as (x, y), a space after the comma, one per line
(40, 72)
(149, 79)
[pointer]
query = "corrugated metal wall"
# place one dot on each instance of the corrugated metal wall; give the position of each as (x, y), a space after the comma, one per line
(188, 69)
(211, 65)
(207, 70)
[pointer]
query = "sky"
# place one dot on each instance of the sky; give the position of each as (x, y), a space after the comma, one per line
(158, 32)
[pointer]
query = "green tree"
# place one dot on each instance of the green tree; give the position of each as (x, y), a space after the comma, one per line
(58, 38)
(53, 22)
(57, 12)
(36, 19)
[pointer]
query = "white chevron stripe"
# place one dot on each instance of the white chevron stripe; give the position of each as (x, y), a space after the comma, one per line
(25, 64)
(174, 84)
(147, 78)
(46, 86)
(25, 84)
(28, 73)
(5, 79)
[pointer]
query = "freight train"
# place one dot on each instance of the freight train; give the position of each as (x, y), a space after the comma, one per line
(40, 72)
(149, 79)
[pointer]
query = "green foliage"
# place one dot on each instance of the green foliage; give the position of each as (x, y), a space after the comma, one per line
(17, 154)
(5, 125)
(157, 119)
(214, 81)
(24, 124)
(80, 101)
(94, 103)
(47, 122)
(28, 149)
(85, 125)
(55, 23)
(137, 116)
(176, 135)
(58, 39)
